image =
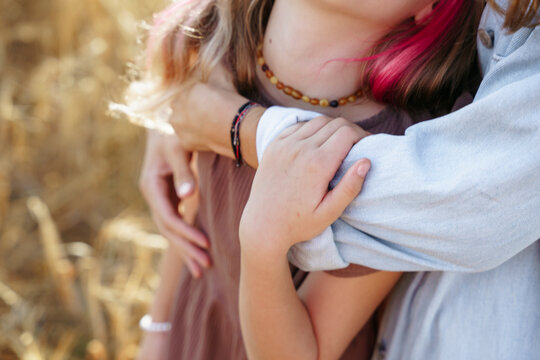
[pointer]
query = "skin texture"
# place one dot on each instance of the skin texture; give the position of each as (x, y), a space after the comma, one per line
(319, 320)
(375, 16)
(202, 117)
(154, 344)
(296, 171)
(164, 160)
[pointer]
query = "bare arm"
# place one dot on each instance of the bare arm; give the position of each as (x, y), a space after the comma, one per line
(154, 344)
(172, 263)
(340, 307)
(318, 322)
(202, 118)
(276, 323)
(170, 272)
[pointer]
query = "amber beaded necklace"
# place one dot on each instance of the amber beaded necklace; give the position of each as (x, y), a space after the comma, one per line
(296, 94)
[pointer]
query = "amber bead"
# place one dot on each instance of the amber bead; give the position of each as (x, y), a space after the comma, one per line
(297, 94)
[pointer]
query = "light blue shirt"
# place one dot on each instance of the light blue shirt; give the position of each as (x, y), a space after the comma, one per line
(460, 194)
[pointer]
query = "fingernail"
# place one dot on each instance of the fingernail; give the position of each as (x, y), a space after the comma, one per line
(184, 189)
(363, 168)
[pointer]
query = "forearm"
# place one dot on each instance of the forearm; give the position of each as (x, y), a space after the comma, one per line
(275, 322)
(220, 142)
(248, 134)
(171, 268)
(202, 118)
(170, 272)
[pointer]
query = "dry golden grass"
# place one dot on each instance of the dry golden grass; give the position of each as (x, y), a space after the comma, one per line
(77, 264)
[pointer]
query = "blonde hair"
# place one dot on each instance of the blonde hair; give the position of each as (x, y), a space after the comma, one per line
(186, 42)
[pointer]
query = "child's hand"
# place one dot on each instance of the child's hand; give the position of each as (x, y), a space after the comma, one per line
(290, 201)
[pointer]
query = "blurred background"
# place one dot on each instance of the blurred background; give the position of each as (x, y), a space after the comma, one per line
(78, 254)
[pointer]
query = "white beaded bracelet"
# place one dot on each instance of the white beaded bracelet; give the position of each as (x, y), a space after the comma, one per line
(146, 324)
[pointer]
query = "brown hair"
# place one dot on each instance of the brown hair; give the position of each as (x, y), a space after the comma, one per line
(231, 29)
(426, 65)
(186, 42)
(520, 13)
(191, 37)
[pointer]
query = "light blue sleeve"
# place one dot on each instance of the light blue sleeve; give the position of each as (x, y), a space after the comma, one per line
(458, 193)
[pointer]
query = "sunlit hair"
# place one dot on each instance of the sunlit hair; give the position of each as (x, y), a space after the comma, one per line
(422, 66)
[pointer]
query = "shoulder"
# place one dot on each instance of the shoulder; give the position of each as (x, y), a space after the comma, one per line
(505, 57)
(495, 42)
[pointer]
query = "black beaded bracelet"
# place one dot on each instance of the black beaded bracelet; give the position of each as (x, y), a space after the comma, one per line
(235, 131)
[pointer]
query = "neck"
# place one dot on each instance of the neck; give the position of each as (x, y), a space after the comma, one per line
(304, 45)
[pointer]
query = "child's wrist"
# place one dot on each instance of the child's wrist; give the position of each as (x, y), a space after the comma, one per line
(264, 247)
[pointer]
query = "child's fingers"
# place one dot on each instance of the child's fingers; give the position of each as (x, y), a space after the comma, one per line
(337, 199)
(341, 126)
(310, 127)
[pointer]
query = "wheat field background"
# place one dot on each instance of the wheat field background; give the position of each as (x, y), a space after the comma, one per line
(78, 254)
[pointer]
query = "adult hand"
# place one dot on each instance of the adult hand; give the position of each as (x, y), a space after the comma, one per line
(166, 180)
(290, 201)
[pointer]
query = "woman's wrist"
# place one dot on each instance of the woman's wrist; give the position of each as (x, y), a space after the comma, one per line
(226, 105)
(248, 135)
(219, 117)
(202, 119)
